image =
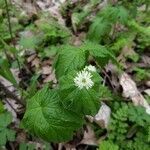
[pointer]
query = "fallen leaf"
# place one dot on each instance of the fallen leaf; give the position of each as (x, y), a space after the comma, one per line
(130, 91)
(30, 58)
(103, 116)
(46, 70)
(147, 91)
(89, 137)
(51, 77)
(148, 83)
(35, 62)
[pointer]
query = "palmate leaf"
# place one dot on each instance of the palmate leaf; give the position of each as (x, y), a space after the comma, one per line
(5, 120)
(99, 52)
(98, 29)
(69, 58)
(46, 118)
(103, 22)
(6, 134)
(74, 58)
(83, 101)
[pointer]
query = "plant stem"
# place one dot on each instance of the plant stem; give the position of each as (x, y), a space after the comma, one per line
(11, 34)
(8, 18)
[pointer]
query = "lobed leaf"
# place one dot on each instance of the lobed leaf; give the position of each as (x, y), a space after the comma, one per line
(69, 58)
(6, 134)
(46, 118)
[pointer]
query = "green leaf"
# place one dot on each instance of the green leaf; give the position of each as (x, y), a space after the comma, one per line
(138, 115)
(10, 135)
(103, 22)
(6, 72)
(122, 14)
(99, 52)
(28, 41)
(3, 138)
(1, 107)
(5, 119)
(5, 133)
(82, 101)
(32, 88)
(98, 29)
(96, 50)
(69, 58)
(46, 117)
(54, 33)
(25, 146)
(108, 145)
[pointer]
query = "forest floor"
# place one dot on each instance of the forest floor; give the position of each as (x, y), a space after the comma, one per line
(31, 34)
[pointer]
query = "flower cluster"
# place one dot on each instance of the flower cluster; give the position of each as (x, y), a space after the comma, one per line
(83, 78)
(90, 68)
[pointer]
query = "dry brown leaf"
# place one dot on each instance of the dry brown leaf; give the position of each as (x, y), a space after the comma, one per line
(130, 91)
(21, 136)
(126, 51)
(103, 116)
(90, 118)
(89, 137)
(30, 58)
(36, 62)
(147, 91)
(46, 70)
(148, 83)
(51, 77)
(146, 60)
(69, 146)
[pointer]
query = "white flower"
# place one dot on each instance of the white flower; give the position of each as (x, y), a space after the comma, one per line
(83, 79)
(90, 68)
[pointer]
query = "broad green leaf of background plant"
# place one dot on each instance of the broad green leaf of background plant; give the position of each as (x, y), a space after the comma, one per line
(101, 54)
(6, 134)
(98, 29)
(26, 146)
(28, 42)
(47, 119)
(108, 145)
(54, 33)
(1, 107)
(82, 101)
(69, 58)
(104, 21)
(6, 72)
(32, 146)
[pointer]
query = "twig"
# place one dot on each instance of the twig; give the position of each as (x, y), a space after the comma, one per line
(11, 34)
(103, 71)
(108, 79)
(10, 94)
(11, 105)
